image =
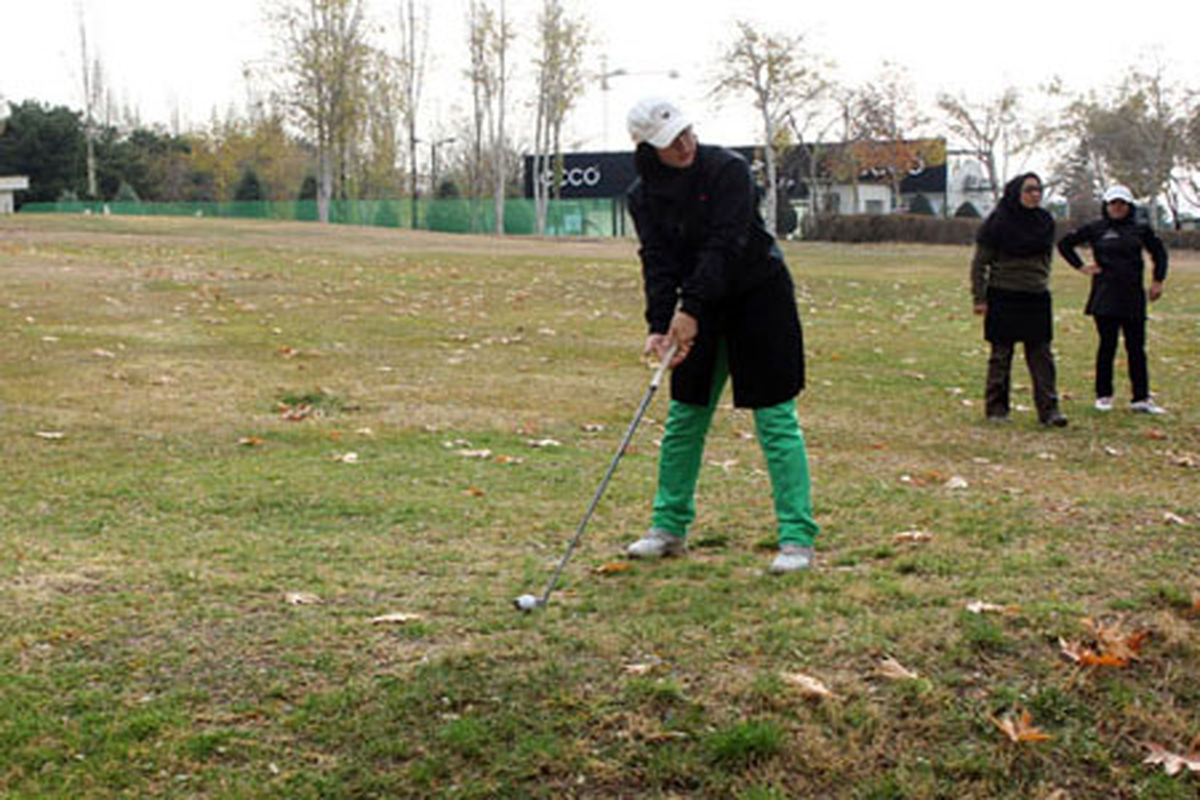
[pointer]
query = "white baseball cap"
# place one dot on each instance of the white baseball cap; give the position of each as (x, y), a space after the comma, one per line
(656, 121)
(1118, 192)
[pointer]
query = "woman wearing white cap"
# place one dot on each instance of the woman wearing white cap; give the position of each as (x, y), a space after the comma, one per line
(1117, 301)
(716, 285)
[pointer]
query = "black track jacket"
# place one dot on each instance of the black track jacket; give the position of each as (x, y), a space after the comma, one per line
(705, 246)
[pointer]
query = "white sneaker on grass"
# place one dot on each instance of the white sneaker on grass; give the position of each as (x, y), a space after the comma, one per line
(1103, 404)
(1146, 406)
(657, 543)
(791, 558)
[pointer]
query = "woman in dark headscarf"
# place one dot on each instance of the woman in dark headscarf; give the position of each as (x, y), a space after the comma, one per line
(1010, 283)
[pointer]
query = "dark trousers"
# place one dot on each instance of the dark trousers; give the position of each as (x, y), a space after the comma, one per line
(1135, 351)
(1040, 360)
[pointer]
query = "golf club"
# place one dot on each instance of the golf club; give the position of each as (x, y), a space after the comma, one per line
(528, 602)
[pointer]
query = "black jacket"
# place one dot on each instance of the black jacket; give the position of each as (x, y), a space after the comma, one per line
(705, 246)
(1117, 245)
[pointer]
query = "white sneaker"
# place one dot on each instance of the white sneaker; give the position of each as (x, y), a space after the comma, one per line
(1146, 406)
(791, 558)
(657, 544)
(1103, 404)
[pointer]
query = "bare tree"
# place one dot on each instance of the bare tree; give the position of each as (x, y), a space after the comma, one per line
(489, 36)
(92, 75)
(992, 130)
(560, 76)
(1135, 134)
(414, 48)
(382, 122)
(783, 78)
(888, 118)
(325, 57)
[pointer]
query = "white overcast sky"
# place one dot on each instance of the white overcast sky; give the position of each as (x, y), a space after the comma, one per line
(168, 58)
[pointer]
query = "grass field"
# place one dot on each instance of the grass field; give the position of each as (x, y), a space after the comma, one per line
(189, 581)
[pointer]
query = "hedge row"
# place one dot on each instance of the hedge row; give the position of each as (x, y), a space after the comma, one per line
(858, 228)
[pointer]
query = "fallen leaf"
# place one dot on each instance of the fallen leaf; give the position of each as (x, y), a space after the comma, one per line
(592, 427)
(395, 618)
(474, 491)
(916, 537)
(1115, 642)
(957, 482)
(893, 669)
(1156, 434)
(643, 668)
(346, 458)
(543, 443)
(1018, 726)
(302, 599)
(1047, 456)
(1112, 451)
(980, 607)
(613, 567)
(475, 453)
(1078, 653)
(725, 465)
(250, 441)
(1185, 460)
(365, 432)
(1174, 763)
(49, 434)
(808, 685)
(102, 353)
(1174, 519)
(509, 460)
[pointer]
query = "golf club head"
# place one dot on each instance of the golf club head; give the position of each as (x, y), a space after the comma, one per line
(527, 603)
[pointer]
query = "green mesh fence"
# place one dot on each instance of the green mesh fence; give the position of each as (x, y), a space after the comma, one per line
(593, 217)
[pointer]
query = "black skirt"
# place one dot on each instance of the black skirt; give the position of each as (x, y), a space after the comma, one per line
(1018, 316)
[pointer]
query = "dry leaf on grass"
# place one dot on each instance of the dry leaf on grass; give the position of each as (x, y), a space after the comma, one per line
(1173, 518)
(915, 537)
(1111, 646)
(808, 685)
(474, 491)
(592, 427)
(474, 453)
(1112, 451)
(49, 435)
(509, 460)
(643, 667)
(250, 441)
(346, 458)
(302, 599)
(395, 618)
(1156, 434)
(1173, 763)
(543, 443)
(980, 607)
(1018, 726)
(102, 353)
(613, 567)
(894, 670)
(957, 482)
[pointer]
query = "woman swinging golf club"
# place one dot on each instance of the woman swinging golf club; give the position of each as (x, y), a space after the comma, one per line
(717, 287)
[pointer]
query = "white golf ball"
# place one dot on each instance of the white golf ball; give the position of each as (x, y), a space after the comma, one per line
(526, 602)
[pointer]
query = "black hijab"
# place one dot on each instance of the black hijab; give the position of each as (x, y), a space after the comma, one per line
(1014, 229)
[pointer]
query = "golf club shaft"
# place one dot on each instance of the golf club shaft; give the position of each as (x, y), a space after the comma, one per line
(612, 467)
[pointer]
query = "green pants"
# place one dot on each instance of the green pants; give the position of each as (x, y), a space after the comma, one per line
(782, 444)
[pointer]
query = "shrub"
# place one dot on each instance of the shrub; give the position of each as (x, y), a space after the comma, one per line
(858, 228)
(967, 211)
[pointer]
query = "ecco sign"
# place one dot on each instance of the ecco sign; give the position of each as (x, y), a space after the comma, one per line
(575, 177)
(584, 174)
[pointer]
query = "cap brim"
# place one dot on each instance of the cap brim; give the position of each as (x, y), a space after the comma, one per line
(672, 129)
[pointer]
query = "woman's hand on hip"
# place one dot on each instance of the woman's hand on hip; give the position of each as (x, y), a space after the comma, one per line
(1090, 269)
